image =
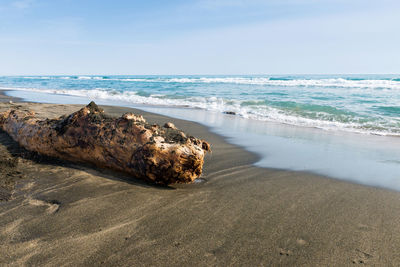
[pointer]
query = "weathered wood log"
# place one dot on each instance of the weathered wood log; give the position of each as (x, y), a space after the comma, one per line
(162, 155)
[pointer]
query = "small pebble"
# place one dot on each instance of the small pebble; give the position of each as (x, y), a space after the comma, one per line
(169, 125)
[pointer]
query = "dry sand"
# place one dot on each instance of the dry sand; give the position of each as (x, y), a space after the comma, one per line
(57, 213)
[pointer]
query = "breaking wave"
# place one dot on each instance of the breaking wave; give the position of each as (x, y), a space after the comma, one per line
(288, 112)
(392, 83)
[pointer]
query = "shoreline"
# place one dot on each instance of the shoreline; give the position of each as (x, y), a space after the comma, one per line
(73, 214)
(359, 158)
(155, 117)
(227, 112)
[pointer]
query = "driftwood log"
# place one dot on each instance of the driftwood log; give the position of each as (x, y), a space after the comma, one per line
(162, 155)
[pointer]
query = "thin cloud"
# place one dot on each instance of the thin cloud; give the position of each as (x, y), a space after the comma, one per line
(22, 4)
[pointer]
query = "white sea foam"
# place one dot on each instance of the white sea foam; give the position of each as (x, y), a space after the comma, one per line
(37, 77)
(333, 82)
(85, 78)
(266, 81)
(258, 112)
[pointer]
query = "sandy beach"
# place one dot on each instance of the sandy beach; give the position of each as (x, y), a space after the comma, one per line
(56, 213)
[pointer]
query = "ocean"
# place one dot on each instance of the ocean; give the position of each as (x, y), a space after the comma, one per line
(341, 126)
(358, 103)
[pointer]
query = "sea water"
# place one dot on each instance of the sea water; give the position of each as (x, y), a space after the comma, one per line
(343, 126)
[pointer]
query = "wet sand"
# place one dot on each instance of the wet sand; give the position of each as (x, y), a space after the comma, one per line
(58, 213)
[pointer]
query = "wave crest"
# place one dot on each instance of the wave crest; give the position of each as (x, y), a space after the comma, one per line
(308, 115)
(261, 81)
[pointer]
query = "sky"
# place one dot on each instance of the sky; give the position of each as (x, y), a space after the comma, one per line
(66, 37)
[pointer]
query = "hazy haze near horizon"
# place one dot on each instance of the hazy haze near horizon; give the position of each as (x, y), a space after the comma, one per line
(198, 37)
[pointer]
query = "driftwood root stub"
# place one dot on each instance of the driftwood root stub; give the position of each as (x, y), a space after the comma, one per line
(162, 155)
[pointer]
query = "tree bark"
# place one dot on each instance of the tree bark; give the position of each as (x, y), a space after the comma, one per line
(162, 155)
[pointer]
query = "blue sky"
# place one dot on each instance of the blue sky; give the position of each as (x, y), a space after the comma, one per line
(199, 37)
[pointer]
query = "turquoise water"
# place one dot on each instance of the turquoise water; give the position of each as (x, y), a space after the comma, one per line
(368, 104)
(278, 117)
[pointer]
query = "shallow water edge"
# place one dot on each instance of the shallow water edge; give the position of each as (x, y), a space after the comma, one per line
(360, 158)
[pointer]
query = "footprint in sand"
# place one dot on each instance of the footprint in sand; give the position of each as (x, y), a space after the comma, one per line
(284, 252)
(301, 242)
(52, 205)
(363, 227)
(288, 252)
(362, 257)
